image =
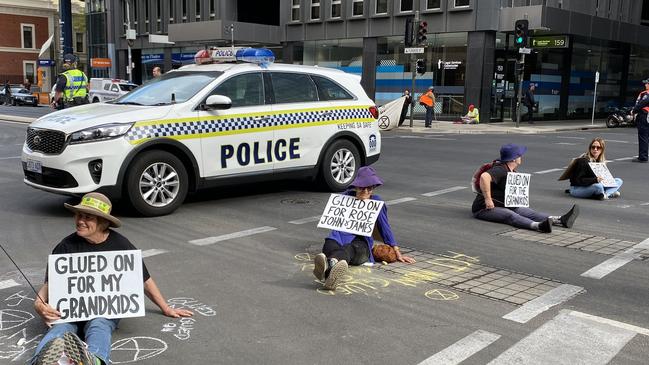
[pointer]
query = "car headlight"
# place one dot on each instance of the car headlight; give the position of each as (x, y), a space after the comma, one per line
(100, 133)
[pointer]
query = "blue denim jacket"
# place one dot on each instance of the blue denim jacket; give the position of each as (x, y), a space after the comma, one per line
(344, 238)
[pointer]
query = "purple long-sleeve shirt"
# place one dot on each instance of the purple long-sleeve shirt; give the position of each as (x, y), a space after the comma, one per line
(344, 238)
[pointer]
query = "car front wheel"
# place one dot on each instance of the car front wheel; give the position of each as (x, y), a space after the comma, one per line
(157, 183)
(340, 165)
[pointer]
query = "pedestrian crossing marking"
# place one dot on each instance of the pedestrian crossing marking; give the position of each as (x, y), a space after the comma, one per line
(463, 349)
(546, 301)
(8, 284)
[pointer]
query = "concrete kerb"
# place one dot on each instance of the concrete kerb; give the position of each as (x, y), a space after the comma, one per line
(15, 118)
(501, 128)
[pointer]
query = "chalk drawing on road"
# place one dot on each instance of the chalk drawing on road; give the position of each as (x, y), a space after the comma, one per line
(15, 345)
(12, 318)
(133, 349)
(182, 330)
(16, 299)
(441, 294)
(192, 304)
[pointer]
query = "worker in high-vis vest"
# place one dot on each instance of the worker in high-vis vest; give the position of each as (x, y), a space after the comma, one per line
(427, 99)
(641, 111)
(71, 85)
(472, 116)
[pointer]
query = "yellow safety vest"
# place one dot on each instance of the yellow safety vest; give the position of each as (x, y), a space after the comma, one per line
(475, 114)
(76, 85)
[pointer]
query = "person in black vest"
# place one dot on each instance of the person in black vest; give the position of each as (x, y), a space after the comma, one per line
(529, 102)
(640, 111)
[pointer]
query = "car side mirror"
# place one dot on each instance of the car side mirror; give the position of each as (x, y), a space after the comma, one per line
(219, 102)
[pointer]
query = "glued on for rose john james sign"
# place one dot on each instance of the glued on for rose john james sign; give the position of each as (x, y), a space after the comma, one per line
(107, 284)
(347, 214)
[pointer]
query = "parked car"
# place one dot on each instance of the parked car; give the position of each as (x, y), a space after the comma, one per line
(102, 90)
(19, 96)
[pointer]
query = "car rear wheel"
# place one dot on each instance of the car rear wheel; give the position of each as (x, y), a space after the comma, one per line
(157, 183)
(340, 165)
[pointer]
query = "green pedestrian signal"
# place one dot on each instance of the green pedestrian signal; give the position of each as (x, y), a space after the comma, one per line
(521, 30)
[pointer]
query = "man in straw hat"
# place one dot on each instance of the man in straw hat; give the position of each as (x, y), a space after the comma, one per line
(342, 249)
(93, 223)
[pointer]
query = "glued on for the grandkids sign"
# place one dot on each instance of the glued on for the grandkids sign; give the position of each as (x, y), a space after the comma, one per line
(517, 190)
(600, 170)
(347, 214)
(107, 284)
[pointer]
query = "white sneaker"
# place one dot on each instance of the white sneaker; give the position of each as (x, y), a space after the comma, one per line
(337, 272)
(615, 195)
(320, 266)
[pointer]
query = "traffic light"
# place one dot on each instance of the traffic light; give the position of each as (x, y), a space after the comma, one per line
(408, 35)
(421, 67)
(421, 32)
(521, 29)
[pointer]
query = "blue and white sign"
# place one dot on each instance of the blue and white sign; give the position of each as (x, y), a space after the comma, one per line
(46, 63)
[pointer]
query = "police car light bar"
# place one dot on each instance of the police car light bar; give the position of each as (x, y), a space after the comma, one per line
(261, 56)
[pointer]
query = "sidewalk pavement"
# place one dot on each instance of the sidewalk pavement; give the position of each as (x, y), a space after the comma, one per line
(16, 118)
(502, 127)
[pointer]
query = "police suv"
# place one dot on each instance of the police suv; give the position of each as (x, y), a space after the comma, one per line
(233, 117)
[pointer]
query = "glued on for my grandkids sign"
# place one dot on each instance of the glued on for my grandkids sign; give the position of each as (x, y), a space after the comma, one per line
(107, 284)
(347, 214)
(517, 190)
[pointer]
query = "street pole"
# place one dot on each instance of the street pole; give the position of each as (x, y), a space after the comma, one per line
(413, 67)
(232, 37)
(592, 118)
(128, 41)
(520, 90)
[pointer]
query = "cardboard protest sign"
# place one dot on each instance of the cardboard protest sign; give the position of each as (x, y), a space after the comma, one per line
(390, 113)
(107, 284)
(600, 170)
(517, 190)
(347, 214)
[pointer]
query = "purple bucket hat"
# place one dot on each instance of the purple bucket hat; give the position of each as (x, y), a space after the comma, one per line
(510, 152)
(366, 177)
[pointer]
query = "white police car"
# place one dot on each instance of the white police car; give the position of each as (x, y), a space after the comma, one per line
(207, 125)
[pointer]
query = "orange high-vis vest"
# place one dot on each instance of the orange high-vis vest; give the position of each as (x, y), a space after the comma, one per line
(427, 98)
(646, 108)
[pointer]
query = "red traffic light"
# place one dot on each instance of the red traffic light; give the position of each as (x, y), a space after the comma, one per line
(421, 33)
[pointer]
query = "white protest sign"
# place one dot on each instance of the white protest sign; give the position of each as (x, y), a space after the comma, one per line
(600, 170)
(347, 214)
(107, 284)
(517, 190)
(390, 113)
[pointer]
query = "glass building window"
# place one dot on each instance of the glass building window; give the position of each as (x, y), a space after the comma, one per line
(381, 6)
(198, 9)
(184, 10)
(295, 10)
(172, 13)
(78, 42)
(147, 13)
(462, 3)
(433, 4)
(97, 6)
(158, 13)
(406, 5)
(28, 35)
(134, 13)
(357, 8)
(212, 9)
(315, 9)
(336, 8)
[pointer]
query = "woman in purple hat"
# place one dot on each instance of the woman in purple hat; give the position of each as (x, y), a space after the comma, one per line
(342, 249)
(488, 204)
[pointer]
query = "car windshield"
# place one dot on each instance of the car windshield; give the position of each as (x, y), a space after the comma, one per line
(127, 87)
(178, 86)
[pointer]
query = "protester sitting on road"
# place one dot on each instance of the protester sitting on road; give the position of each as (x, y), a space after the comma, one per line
(488, 204)
(342, 249)
(472, 116)
(583, 181)
(92, 219)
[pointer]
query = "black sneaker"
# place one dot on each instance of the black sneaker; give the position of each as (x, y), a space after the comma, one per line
(546, 226)
(568, 219)
(639, 160)
(337, 272)
(320, 266)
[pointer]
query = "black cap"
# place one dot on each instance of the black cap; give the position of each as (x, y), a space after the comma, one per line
(69, 58)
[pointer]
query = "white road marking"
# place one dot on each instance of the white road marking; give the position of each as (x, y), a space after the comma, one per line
(8, 284)
(547, 171)
(9, 158)
(611, 322)
(617, 141)
(153, 252)
(229, 236)
(546, 301)
(568, 339)
(463, 349)
(567, 143)
(442, 139)
(315, 218)
(444, 191)
(565, 137)
(647, 203)
(624, 159)
(616, 261)
(401, 200)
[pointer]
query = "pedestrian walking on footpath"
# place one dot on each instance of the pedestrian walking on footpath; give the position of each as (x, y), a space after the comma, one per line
(427, 99)
(488, 204)
(583, 181)
(93, 223)
(641, 111)
(342, 249)
(529, 102)
(6, 97)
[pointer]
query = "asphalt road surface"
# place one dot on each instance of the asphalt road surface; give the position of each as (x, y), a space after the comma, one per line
(25, 111)
(480, 292)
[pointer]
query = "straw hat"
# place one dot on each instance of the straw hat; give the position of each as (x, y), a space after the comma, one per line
(95, 204)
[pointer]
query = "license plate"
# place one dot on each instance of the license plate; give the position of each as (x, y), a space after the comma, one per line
(34, 166)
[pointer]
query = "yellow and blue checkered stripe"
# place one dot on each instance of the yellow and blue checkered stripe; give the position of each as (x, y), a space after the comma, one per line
(246, 123)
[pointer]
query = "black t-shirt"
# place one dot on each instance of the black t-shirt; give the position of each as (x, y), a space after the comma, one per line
(61, 81)
(77, 244)
(498, 182)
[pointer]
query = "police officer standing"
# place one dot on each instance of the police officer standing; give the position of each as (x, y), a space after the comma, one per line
(71, 86)
(641, 111)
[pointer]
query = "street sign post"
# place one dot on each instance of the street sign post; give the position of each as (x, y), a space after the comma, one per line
(414, 50)
(551, 41)
(525, 50)
(592, 118)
